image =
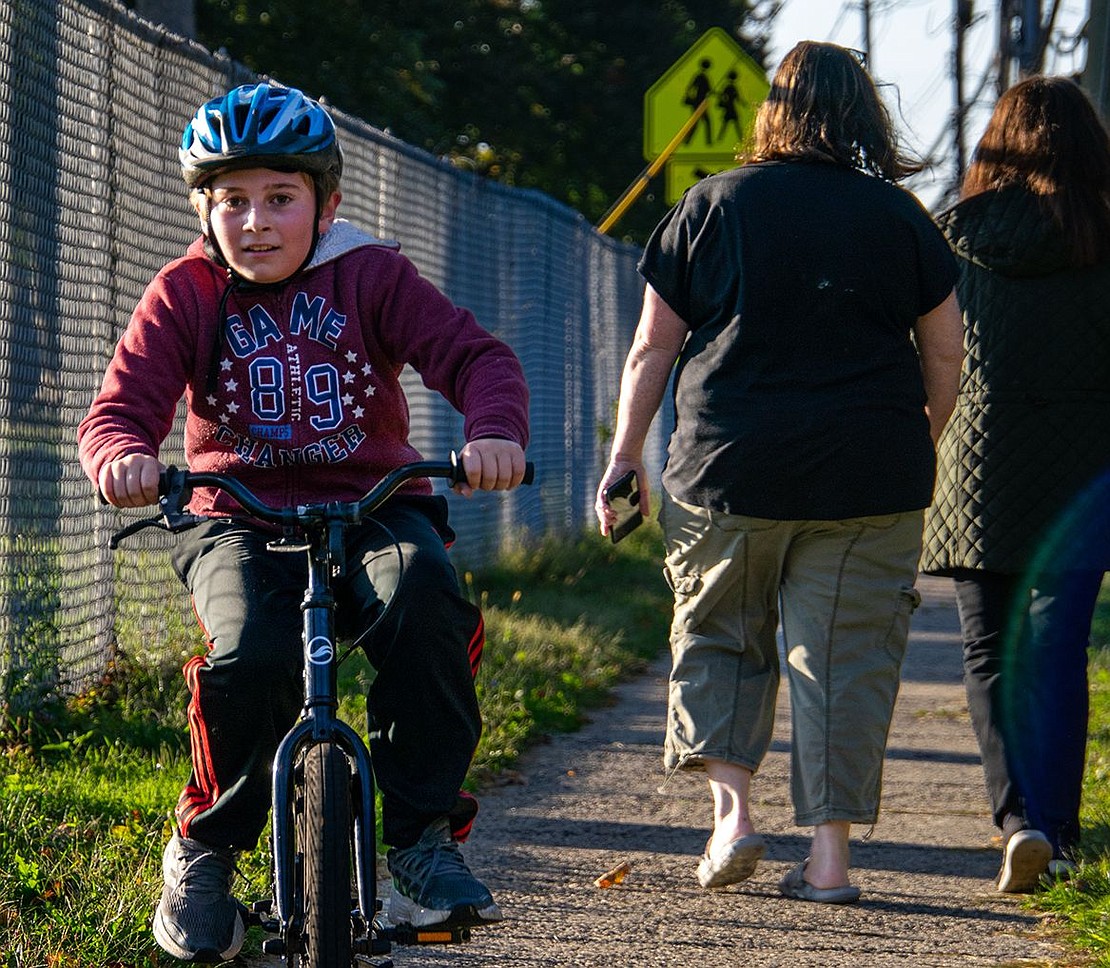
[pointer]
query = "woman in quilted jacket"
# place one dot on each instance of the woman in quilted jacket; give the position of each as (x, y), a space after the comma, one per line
(1021, 516)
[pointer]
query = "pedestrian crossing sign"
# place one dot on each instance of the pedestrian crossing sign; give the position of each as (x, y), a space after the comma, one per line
(716, 69)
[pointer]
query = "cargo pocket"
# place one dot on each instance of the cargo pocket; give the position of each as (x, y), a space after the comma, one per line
(685, 588)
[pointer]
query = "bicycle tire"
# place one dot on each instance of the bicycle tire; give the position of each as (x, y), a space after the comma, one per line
(322, 822)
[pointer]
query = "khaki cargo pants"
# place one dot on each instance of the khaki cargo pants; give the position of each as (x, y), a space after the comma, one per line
(846, 594)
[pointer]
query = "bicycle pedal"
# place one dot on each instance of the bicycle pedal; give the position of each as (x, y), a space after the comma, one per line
(273, 946)
(406, 934)
(259, 915)
(442, 934)
(376, 943)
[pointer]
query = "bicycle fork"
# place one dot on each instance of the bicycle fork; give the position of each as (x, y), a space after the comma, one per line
(319, 723)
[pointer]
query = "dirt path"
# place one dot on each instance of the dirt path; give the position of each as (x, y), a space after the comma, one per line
(589, 800)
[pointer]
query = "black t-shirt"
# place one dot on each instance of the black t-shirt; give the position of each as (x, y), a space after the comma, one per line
(798, 392)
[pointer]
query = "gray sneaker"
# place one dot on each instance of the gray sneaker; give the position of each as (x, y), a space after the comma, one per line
(197, 918)
(432, 884)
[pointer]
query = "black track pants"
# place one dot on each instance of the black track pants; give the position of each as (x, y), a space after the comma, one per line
(248, 689)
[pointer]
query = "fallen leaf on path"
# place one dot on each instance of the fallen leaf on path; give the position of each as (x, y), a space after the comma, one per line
(614, 876)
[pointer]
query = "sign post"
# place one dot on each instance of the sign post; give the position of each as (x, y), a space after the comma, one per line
(632, 192)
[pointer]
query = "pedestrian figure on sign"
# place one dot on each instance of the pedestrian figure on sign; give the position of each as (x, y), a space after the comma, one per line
(729, 100)
(697, 91)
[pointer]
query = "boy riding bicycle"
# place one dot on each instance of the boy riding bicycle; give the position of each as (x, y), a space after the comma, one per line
(286, 329)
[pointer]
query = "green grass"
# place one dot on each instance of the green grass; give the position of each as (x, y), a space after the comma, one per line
(1080, 908)
(86, 785)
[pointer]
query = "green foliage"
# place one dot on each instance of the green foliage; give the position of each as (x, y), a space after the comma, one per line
(544, 94)
(1100, 624)
(79, 847)
(30, 655)
(134, 703)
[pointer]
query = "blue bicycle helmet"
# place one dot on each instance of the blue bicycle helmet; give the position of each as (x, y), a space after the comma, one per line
(263, 125)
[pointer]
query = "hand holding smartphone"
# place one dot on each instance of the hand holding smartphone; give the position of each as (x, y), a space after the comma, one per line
(623, 497)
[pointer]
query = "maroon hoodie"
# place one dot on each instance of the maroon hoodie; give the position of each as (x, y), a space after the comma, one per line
(303, 401)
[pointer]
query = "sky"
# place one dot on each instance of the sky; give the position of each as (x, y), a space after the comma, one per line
(911, 58)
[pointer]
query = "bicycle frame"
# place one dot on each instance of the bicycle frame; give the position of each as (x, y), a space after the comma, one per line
(320, 724)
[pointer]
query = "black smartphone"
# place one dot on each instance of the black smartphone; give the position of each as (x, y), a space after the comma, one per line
(623, 496)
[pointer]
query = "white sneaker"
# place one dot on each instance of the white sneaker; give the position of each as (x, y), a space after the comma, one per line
(1025, 858)
(1061, 869)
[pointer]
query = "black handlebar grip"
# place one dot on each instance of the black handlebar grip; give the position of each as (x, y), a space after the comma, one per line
(171, 489)
(164, 480)
(529, 473)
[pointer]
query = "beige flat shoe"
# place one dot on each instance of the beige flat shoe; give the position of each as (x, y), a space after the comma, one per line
(737, 863)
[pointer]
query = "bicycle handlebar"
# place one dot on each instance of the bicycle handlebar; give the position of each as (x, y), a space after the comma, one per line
(174, 481)
(176, 487)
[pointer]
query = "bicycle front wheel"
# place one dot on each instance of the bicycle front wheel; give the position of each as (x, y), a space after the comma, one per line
(323, 825)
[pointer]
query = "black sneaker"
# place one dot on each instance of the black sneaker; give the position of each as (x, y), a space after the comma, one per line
(432, 884)
(197, 919)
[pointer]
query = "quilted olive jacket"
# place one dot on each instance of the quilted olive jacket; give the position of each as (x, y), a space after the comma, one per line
(1023, 475)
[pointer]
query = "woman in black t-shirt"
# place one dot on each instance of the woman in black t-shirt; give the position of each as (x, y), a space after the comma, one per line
(808, 303)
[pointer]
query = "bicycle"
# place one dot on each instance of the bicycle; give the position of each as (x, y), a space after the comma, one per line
(323, 793)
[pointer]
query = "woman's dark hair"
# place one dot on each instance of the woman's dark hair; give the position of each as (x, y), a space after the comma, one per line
(823, 106)
(1046, 137)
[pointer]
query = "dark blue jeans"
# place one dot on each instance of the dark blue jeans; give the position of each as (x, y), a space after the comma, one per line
(1025, 672)
(248, 689)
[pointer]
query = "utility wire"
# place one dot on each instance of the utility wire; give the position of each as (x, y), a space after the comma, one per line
(844, 8)
(931, 158)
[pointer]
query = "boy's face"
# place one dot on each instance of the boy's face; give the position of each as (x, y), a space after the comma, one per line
(262, 221)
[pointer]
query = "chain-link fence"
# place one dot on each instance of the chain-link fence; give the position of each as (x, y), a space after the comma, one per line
(92, 104)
